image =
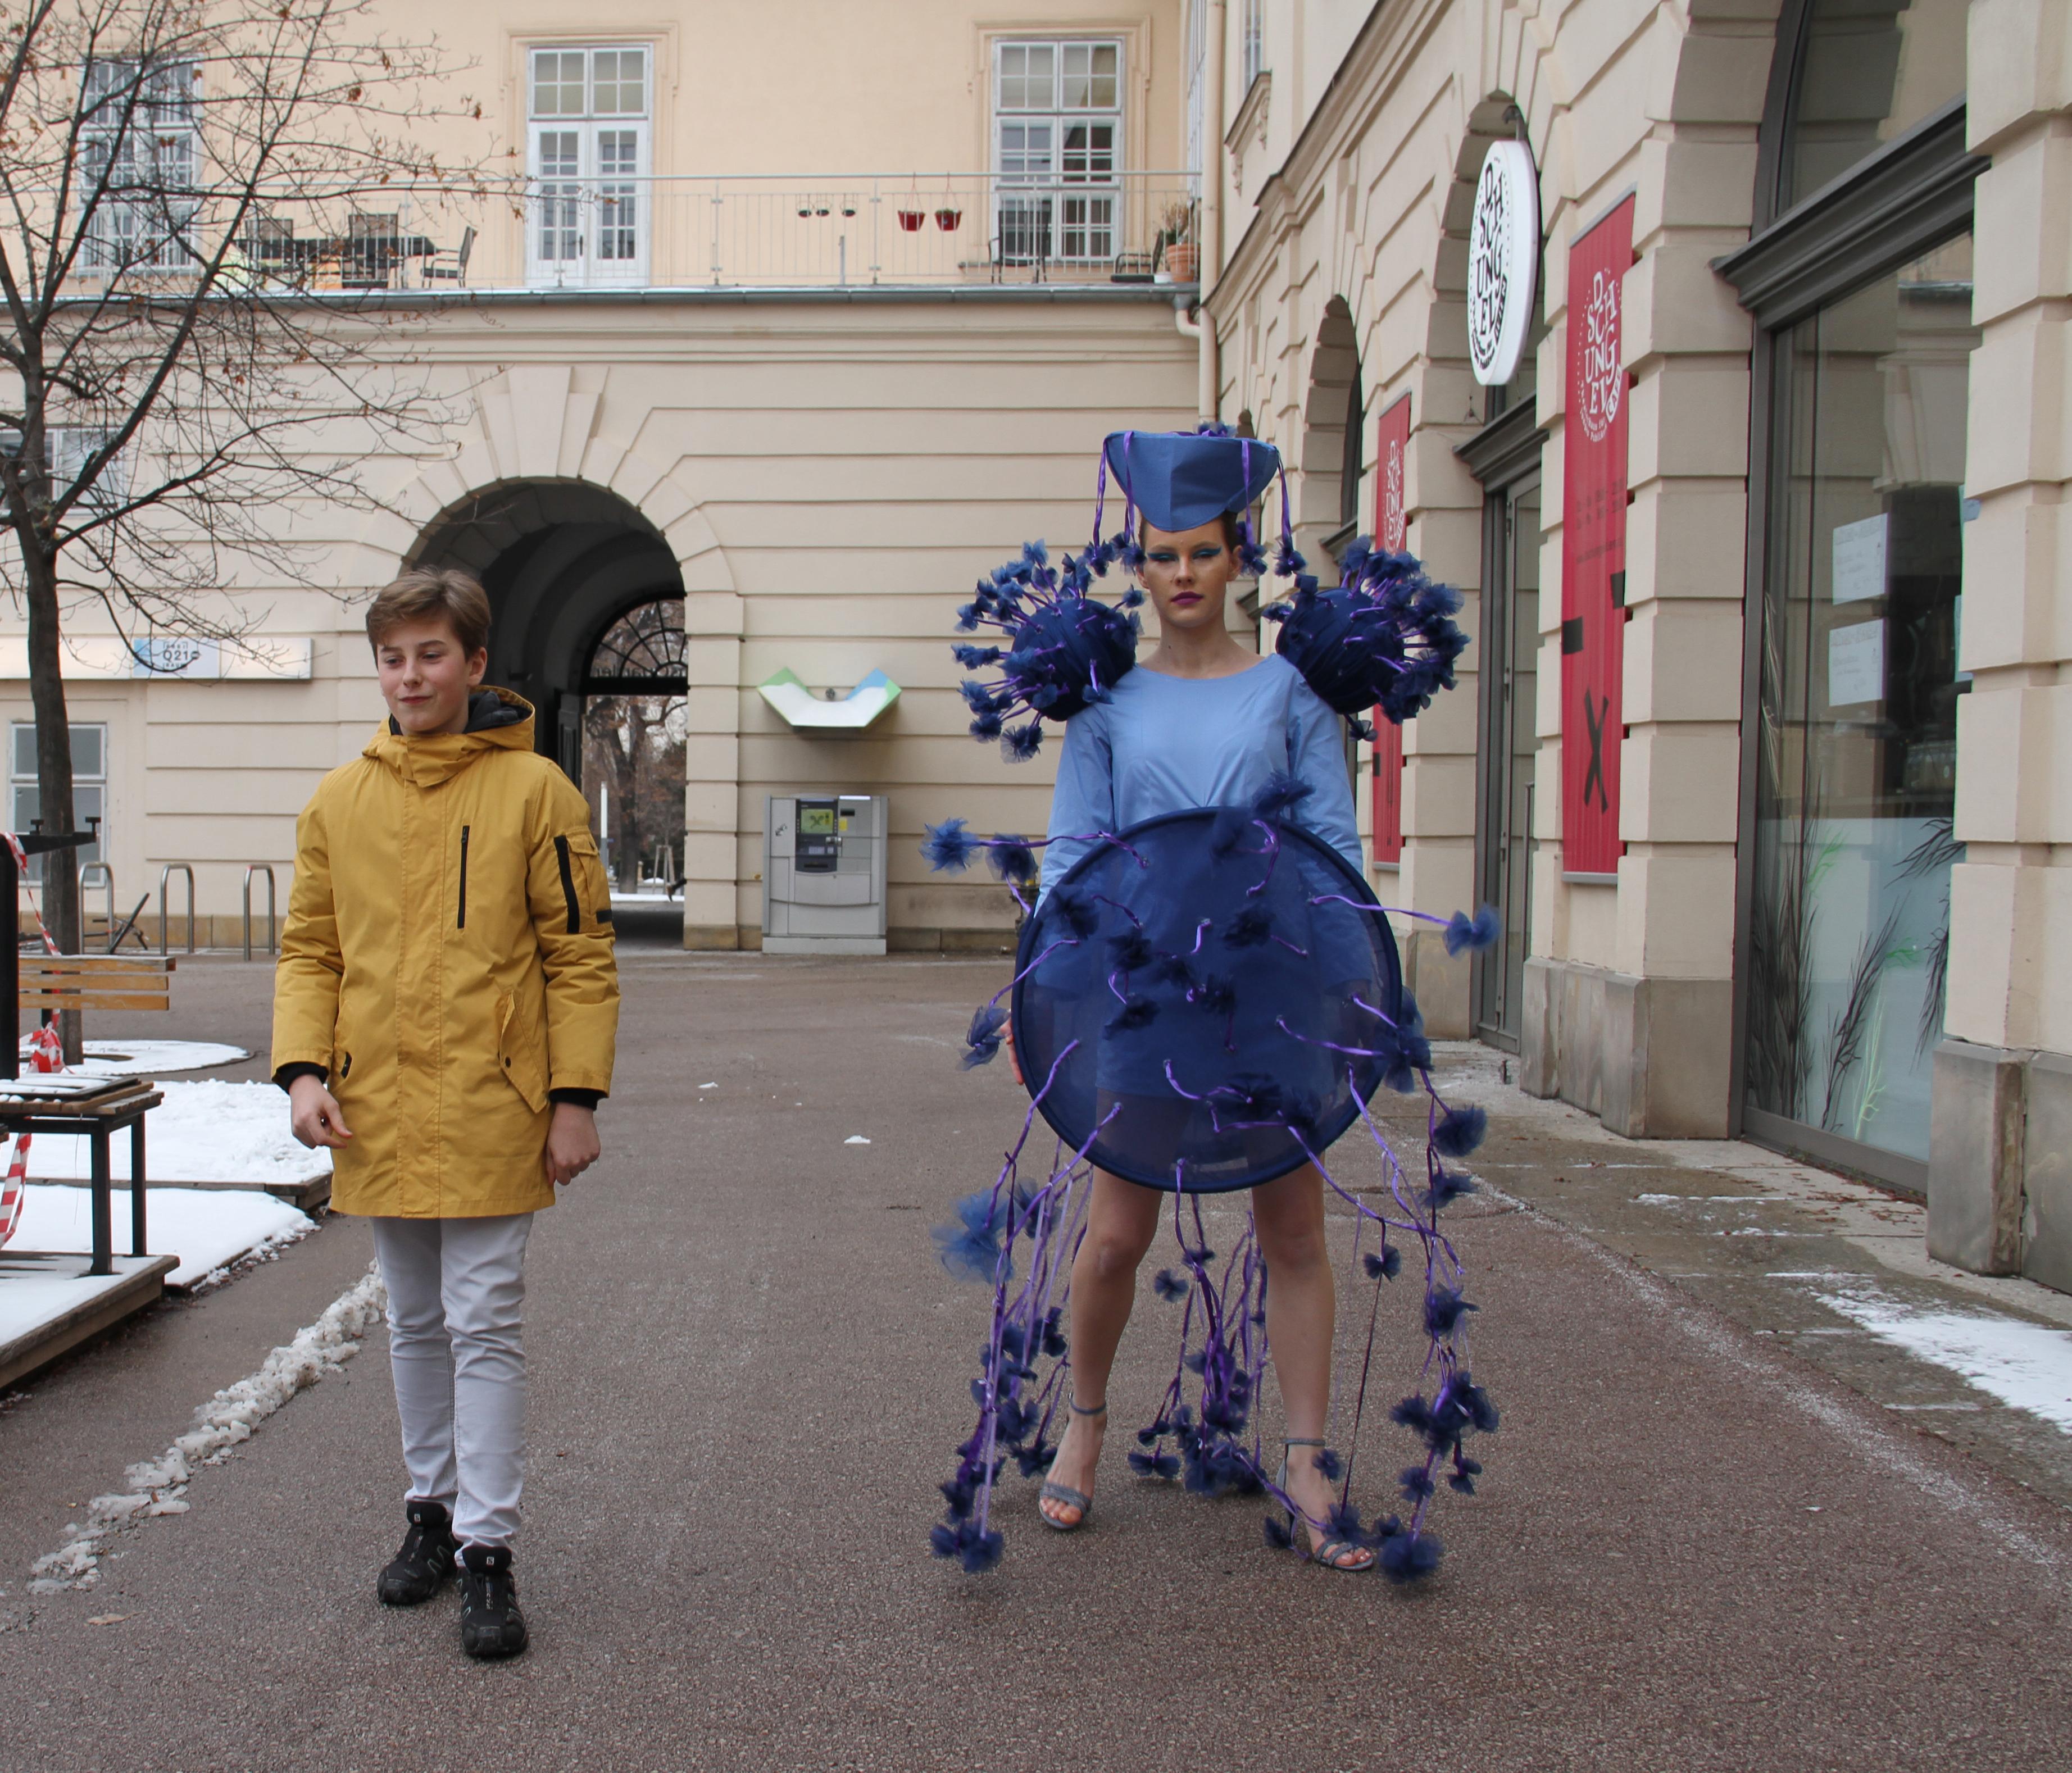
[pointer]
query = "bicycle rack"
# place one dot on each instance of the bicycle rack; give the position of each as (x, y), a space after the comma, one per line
(106, 881)
(272, 908)
(165, 921)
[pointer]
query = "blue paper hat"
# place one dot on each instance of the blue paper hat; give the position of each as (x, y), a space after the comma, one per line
(1182, 479)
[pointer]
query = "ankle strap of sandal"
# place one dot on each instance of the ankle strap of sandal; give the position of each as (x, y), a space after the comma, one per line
(1291, 1441)
(1097, 1409)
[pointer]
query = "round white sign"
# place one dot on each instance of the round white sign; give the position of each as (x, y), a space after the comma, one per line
(1503, 261)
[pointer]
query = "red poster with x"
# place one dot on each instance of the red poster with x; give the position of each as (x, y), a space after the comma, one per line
(1593, 547)
(1391, 527)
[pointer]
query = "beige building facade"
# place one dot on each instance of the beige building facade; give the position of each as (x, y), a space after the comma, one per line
(1819, 904)
(1759, 745)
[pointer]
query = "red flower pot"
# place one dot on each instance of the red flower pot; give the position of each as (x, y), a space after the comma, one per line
(910, 219)
(947, 219)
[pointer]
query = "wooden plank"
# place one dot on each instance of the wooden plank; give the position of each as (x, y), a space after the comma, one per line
(98, 975)
(75, 1000)
(138, 1281)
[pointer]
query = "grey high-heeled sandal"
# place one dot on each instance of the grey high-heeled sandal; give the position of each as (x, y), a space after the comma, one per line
(1065, 1493)
(1335, 1552)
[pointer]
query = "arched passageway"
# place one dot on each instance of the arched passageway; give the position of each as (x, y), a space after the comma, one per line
(563, 562)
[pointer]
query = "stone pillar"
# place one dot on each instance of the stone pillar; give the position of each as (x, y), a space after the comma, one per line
(2001, 1077)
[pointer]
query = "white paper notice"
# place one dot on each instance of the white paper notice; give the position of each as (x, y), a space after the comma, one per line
(1860, 560)
(1855, 664)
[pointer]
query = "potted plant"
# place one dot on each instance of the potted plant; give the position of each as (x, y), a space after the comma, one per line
(1181, 255)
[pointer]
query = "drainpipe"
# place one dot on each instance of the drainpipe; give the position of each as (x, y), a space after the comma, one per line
(1206, 388)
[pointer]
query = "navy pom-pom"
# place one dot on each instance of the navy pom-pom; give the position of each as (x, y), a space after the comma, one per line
(1443, 1308)
(1128, 951)
(1417, 1482)
(1013, 859)
(1460, 1131)
(1250, 928)
(1405, 1558)
(1076, 915)
(970, 1248)
(1384, 1264)
(1413, 1414)
(1214, 995)
(1154, 1465)
(1168, 1286)
(1447, 1187)
(1137, 1011)
(1473, 933)
(1281, 793)
(1329, 1466)
(1018, 744)
(982, 1553)
(1278, 1537)
(949, 845)
(982, 1039)
(1174, 969)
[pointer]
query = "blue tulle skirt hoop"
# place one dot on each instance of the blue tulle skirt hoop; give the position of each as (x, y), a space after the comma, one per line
(1208, 1001)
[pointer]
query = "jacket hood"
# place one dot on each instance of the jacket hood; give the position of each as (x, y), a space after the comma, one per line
(497, 720)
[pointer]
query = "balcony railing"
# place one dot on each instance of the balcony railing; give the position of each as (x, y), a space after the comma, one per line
(731, 232)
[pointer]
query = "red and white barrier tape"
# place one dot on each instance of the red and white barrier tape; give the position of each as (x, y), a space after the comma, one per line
(46, 1054)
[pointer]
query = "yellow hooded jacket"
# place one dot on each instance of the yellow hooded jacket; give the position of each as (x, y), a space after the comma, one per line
(448, 961)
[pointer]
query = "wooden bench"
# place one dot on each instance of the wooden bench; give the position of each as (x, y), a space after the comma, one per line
(95, 981)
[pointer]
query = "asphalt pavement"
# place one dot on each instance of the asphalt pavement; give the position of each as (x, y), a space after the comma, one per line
(1708, 1537)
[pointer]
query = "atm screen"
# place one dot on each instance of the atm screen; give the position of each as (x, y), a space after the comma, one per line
(816, 821)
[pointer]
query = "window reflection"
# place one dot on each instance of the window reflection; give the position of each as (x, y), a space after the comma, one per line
(1857, 755)
(1871, 70)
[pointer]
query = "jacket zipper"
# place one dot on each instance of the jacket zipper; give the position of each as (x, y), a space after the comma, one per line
(462, 923)
(568, 886)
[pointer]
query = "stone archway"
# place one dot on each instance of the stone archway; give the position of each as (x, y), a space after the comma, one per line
(562, 560)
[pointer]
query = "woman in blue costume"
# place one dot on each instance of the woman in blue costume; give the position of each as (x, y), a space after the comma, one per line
(1207, 993)
(1200, 721)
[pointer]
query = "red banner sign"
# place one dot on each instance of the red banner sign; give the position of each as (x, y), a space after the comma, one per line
(1391, 526)
(1594, 548)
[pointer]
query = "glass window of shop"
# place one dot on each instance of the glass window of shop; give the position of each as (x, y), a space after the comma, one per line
(1857, 750)
(1856, 605)
(1867, 72)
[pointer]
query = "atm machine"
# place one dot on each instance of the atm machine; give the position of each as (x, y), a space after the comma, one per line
(823, 874)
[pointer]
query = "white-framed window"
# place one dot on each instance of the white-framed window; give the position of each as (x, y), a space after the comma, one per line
(1057, 121)
(89, 786)
(140, 163)
(66, 449)
(588, 111)
(1254, 53)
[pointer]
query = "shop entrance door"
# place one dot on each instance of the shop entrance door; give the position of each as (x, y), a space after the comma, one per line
(1503, 828)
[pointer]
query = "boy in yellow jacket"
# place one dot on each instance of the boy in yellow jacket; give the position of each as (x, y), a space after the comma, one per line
(444, 1018)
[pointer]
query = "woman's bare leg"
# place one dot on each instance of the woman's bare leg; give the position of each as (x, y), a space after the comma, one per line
(1122, 1219)
(1301, 1309)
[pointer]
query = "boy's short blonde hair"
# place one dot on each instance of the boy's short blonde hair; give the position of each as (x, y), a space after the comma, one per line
(443, 594)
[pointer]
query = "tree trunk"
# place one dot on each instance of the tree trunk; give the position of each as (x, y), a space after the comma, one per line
(54, 803)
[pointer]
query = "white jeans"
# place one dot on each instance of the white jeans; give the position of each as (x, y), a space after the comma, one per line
(456, 1300)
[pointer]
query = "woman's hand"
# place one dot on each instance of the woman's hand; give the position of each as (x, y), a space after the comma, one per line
(572, 1144)
(1014, 1058)
(312, 1112)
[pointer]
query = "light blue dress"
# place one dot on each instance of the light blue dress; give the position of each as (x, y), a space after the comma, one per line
(1166, 743)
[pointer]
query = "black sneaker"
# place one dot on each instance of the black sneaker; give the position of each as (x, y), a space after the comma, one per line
(490, 1624)
(419, 1569)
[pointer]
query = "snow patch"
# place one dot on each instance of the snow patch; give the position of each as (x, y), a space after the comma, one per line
(203, 1132)
(157, 1486)
(207, 1228)
(2025, 1365)
(149, 1058)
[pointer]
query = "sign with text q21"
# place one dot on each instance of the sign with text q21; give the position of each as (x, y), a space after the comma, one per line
(1593, 547)
(1392, 530)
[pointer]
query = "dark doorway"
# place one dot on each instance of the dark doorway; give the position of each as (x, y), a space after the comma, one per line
(1509, 747)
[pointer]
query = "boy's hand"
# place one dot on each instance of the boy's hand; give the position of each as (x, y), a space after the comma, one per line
(312, 1112)
(572, 1145)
